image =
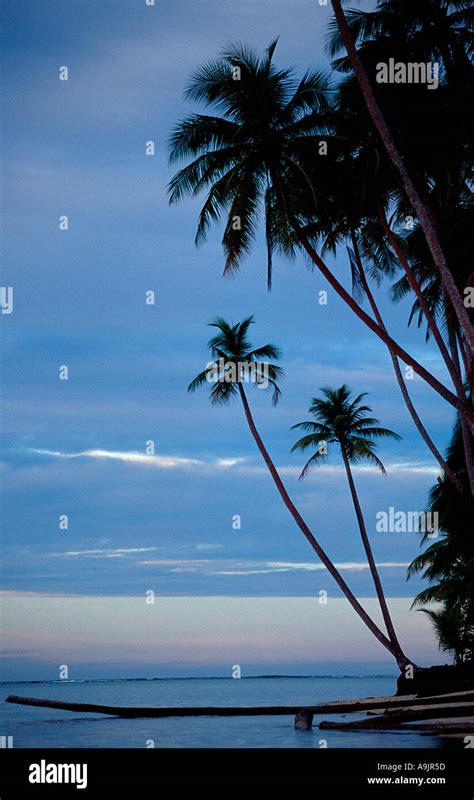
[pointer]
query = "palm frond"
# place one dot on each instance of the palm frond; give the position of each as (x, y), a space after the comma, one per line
(316, 459)
(310, 97)
(267, 351)
(198, 134)
(240, 230)
(310, 440)
(358, 289)
(199, 380)
(218, 200)
(202, 171)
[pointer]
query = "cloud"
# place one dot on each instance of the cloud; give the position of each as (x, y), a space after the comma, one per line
(240, 463)
(133, 457)
(400, 468)
(205, 546)
(220, 566)
(108, 553)
(344, 565)
(234, 567)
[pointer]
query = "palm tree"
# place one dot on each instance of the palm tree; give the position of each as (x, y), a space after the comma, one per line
(342, 420)
(256, 156)
(431, 30)
(454, 627)
(426, 221)
(238, 359)
(357, 214)
(454, 512)
(448, 562)
(451, 557)
(361, 288)
(456, 226)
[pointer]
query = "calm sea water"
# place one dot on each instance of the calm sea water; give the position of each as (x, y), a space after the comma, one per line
(42, 727)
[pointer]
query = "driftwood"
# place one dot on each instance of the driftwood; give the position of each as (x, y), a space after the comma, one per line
(459, 725)
(140, 711)
(392, 712)
(398, 716)
(458, 728)
(338, 707)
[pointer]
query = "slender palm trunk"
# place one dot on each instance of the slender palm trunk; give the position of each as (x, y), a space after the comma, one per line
(457, 402)
(401, 383)
(370, 557)
(416, 288)
(445, 393)
(422, 212)
(452, 361)
(400, 658)
(465, 360)
(466, 431)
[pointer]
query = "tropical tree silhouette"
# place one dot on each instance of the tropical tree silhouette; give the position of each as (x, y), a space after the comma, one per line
(454, 628)
(419, 205)
(448, 561)
(338, 418)
(237, 358)
(440, 32)
(260, 155)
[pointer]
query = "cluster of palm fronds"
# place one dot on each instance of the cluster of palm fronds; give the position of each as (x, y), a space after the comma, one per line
(336, 161)
(448, 563)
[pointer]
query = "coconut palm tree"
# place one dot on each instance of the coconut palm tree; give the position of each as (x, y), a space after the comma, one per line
(237, 360)
(448, 562)
(456, 225)
(451, 555)
(419, 205)
(357, 215)
(429, 31)
(343, 420)
(454, 627)
(362, 289)
(254, 158)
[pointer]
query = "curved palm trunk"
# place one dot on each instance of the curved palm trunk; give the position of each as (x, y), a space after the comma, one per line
(400, 658)
(401, 383)
(465, 360)
(421, 428)
(416, 288)
(452, 361)
(445, 393)
(466, 432)
(457, 402)
(370, 558)
(422, 212)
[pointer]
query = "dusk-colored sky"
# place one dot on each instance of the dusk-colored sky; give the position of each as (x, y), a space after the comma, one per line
(77, 447)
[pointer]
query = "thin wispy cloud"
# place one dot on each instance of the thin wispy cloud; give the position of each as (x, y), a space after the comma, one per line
(219, 566)
(105, 553)
(134, 457)
(206, 546)
(172, 462)
(234, 567)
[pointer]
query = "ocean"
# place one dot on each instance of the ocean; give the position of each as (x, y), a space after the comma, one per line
(48, 728)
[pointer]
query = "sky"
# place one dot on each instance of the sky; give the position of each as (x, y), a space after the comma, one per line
(166, 522)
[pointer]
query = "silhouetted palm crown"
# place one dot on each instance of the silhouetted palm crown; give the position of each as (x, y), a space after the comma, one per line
(232, 346)
(252, 155)
(343, 421)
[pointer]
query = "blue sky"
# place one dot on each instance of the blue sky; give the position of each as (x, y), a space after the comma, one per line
(77, 447)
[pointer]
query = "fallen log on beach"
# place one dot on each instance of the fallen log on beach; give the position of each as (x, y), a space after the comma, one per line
(337, 707)
(140, 711)
(393, 718)
(389, 706)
